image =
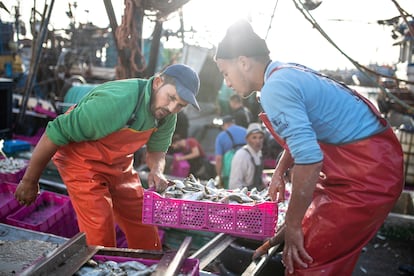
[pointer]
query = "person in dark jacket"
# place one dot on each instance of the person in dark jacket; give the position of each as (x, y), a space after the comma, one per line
(241, 114)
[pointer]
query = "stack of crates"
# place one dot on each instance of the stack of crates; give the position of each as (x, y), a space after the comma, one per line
(8, 204)
(51, 212)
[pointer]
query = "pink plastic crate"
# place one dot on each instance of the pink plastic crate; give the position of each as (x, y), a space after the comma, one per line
(48, 209)
(67, 226)
(190, 266)
(121, 241)
(256, 221)
(33, 140)
(13, 176)
(8, 204)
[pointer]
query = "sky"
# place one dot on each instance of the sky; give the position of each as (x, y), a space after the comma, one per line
(351, 24)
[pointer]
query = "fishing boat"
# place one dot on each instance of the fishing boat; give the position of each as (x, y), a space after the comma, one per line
(396, 99)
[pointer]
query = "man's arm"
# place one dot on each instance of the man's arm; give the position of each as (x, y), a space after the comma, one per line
(219, 164)
(277, 186)
(28, 188)
(156, 164)
(195, 152)
(304, 179)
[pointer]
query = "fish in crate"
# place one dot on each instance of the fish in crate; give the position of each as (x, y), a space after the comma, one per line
(194, 205)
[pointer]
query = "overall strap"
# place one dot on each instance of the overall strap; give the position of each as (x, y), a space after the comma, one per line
(257, 178)
(374, 110)
(233, 144)
(133, 117)
(231, 138)
(251, 157)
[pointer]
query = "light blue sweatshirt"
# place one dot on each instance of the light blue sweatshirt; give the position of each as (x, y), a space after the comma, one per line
(305, 108)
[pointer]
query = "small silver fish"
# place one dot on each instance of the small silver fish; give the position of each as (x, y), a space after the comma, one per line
(178, 183)
(133, 265)
(211, 184)
(236, 198)
(193, 196)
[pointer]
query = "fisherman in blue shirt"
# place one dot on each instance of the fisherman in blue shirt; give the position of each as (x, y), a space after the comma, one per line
(346, 163)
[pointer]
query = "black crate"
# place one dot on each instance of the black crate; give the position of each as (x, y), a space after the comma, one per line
(6, 86)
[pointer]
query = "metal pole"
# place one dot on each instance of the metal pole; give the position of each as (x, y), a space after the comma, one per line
(34, 65)
(112, 20)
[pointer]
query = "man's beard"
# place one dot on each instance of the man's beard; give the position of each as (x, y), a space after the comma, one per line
(161, 113)
(158, 112)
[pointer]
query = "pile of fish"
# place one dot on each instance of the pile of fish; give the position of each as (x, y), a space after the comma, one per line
(112, 268)
(192, 189)
(282, 206)
(12, 165)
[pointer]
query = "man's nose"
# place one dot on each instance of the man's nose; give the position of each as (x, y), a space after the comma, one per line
(174, 107)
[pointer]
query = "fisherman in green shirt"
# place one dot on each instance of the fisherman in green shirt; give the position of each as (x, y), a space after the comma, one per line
(93, 144)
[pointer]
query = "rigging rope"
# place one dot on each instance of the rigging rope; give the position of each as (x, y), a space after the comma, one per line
(361, 68)
(127, 36)
(271, 19)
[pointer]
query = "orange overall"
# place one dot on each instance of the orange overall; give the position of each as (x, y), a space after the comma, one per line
(361, 182)
(105, 189)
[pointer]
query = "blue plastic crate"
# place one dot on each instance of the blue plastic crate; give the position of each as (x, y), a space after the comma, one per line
(11, 146)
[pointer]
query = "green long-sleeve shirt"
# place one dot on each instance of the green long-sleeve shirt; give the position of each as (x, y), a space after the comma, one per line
(106, 109)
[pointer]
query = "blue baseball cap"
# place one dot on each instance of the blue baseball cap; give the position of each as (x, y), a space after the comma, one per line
(187, 82)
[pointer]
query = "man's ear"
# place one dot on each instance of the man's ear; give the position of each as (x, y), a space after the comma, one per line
(157, 83)
(244, 62)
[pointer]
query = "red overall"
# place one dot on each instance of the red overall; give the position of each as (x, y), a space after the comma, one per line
(362, 181)
(105, 189)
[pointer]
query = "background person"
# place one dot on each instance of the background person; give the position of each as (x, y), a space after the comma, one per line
(223, 96)
(193, 152)
(93, 146)
(247, 164)
(182, 126)
(241, 114)
(346, 158)
(232, 136)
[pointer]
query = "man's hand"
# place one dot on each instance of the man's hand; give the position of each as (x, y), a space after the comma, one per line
(158, 181)
(26, 192)
(293, 251)
(156, 163)
(277, 188)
